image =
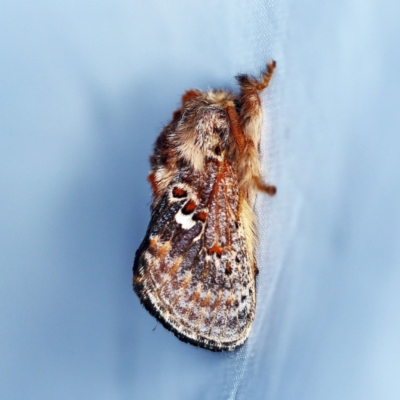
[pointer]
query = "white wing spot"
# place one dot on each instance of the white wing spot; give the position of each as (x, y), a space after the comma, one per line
(185, 220)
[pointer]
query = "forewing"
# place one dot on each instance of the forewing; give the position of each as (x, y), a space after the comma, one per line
(192, 270)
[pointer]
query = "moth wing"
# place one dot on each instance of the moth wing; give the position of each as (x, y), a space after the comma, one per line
(192, 270)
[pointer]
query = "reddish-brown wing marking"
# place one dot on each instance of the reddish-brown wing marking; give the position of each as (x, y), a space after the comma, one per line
(192, 270)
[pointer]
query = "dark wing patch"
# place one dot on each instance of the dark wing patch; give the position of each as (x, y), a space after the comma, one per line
(192, 270)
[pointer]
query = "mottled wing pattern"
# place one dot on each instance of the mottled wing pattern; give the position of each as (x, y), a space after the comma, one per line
(192, 270)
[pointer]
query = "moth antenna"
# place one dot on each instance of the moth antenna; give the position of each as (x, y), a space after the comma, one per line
(236, 129)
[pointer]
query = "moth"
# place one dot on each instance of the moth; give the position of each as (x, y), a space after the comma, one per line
(195, 270)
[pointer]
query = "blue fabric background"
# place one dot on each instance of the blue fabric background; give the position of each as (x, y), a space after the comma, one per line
(85, 87)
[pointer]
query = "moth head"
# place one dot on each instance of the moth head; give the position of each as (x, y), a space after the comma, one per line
(203, 130)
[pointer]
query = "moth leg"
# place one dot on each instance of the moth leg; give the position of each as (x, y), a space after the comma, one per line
(264, 187)
(263, 82)
(250, 102)
(251, 123)
(250, 84)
